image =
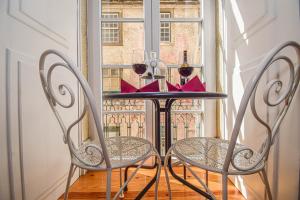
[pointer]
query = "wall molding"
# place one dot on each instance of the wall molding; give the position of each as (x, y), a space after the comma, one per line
(16, 10)
(14, 63)
(266, 18)
(14, 132)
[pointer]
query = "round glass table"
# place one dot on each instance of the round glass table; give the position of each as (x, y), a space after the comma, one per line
(169, 98)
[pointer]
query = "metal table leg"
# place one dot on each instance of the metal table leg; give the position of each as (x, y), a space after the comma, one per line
(168, 145)
(196, 189)
(157, 146)
(148, 186)
(135, 166)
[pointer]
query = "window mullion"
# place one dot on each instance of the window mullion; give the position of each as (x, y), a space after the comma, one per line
(155, 26)
(147, 24)
(149, 115)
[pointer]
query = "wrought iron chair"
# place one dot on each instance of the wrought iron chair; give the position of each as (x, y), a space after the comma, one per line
(113, 152)
(228, 157)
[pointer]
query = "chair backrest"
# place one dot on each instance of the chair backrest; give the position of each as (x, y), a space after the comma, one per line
(89, 101)
(282, 103)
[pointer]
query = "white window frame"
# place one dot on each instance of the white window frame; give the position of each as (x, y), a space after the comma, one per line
(152, 30)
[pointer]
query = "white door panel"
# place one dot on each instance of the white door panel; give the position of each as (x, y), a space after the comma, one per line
(34, 159)
(253, 29)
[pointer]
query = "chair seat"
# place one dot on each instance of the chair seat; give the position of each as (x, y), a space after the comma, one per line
(210, 153)
(122, 151)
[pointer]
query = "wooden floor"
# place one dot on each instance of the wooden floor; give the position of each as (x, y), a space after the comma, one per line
(92, 186)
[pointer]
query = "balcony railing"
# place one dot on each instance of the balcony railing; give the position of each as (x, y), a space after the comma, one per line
(128, 117)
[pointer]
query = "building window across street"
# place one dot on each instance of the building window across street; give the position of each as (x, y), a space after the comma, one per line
(165, 28)
(111, 79)
(111, 31)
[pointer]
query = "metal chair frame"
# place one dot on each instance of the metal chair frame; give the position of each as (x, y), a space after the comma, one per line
(97, 156)
(230, 166)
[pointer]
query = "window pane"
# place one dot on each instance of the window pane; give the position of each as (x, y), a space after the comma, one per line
(119, 39)
(128, 8)
(187, 115)
(133, 38)
(185, 36)
(182, 8)
(122, 117)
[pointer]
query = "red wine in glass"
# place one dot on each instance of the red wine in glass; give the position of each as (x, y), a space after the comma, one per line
(139, 68)
(185, 72)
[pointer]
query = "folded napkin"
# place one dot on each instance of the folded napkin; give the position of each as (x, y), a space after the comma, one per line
(193, 85)
(128, 88)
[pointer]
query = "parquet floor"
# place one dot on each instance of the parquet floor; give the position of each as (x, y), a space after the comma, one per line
(92, 186)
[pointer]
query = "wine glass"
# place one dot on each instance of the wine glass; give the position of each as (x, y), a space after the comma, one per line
(139, 65)
(185, 69)
(185, 72)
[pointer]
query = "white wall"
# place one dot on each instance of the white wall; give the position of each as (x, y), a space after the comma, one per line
(252, 28)
(34, 159)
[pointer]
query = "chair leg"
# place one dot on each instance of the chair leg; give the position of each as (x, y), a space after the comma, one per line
(209, 193)
(121, 182)
(71, 172)
(125, 177)
(158, 172)
(206, 177)
(130, 178)
(167, 157)
(108, 184)
(224, 187)
(266, 182)
(184, 172)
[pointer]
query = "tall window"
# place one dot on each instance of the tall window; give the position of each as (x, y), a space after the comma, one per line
(126, 26)
(111, 31)
(165, 28)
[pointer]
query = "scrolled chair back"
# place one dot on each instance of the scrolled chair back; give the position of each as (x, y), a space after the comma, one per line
(63, 89)
(282, 103)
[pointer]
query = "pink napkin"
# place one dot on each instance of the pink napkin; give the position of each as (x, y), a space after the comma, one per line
(193, 85)
(128, 88)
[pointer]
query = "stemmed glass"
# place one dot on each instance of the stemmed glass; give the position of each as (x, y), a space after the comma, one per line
(157, 66)
(139, 66)
(185, 72)
(185, 69)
